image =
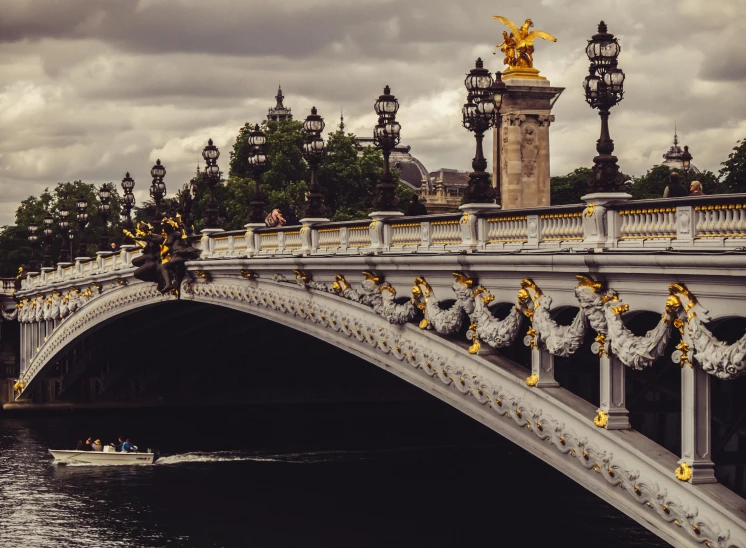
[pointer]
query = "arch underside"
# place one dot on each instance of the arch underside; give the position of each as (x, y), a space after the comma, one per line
(551, 423)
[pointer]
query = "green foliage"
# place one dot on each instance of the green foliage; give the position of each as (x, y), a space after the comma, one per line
(15, 249)
(568, 189)
(733, 173)
(652, 184)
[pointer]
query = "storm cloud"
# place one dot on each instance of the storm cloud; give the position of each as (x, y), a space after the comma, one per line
(92, 89)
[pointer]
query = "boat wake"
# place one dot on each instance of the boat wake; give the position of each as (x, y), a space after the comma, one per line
(308, 457)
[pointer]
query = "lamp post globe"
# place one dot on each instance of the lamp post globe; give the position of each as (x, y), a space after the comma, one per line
(82, 209)
(33, 227)
(604, 88)
(157, 191)
(479, 113)
(212, 173)
(128, 202)
(386, 135)
(48, 232)
(104, 210)
(313, 152)
(258, 164)
(63, 224)
(686, 162)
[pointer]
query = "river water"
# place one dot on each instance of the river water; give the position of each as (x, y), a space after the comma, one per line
(336, 475)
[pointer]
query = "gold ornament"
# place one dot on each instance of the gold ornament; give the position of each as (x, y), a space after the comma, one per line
(684, 472)
(532, 380)
(518, 47)
(601, 420)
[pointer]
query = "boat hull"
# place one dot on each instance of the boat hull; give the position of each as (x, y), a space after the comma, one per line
(99, 457)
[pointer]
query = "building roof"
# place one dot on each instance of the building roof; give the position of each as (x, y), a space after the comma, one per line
(672, 158)
(279, 112)
(411, 171)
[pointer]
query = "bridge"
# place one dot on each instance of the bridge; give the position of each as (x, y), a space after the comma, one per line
(442, 301)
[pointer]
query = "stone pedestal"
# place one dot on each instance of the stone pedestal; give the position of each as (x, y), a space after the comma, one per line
(521, 143)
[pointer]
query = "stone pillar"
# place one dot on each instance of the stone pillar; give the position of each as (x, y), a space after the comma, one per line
(521, 143)
(613, 397)
(696, 451)
(542, 367)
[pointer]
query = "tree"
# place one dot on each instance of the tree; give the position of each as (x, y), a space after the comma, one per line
(15, 248)
(733, 173)
(568, 189)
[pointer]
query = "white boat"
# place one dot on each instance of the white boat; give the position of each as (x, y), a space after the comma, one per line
(63, 456)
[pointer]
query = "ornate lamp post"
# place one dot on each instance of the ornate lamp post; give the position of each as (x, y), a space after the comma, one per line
(157, 192)
(33, 226)
(313, 152)
(386, 137)
(82, 206)
(64, 227)
(48, 222)
(686, 162)
(212, 173)
(258, 163)
(128, 202)
(483, 100)
(104, 210)
(604, 88)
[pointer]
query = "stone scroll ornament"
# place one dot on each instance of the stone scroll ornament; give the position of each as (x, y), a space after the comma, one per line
(486, 328)
(450, 320)
(601, 308)
(724, 361)
(560, 340)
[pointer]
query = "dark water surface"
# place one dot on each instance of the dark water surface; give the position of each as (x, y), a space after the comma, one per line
(342, 475)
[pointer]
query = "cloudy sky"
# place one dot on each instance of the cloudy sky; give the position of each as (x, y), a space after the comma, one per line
(90, 89)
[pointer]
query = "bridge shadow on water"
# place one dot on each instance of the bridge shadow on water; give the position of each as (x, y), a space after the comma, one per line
(393, 465)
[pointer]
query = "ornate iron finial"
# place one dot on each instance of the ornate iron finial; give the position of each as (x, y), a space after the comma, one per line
(602, 29)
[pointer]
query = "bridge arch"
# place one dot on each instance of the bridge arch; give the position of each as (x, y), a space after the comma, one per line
(551, 423)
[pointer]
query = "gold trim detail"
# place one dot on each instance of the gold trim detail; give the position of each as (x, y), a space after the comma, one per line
(602, 419)
(532, 380)
(683, 472)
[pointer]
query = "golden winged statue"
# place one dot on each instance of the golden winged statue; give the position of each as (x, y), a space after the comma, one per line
(519, 47)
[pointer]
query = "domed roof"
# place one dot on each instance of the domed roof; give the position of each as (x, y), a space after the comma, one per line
(672, 158)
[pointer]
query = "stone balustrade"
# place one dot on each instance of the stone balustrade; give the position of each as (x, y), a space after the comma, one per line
(701, 223)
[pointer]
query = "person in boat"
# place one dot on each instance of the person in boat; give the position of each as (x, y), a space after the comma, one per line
(128, 447)
(80, 446)
(118, 446)
(97, 445)
(87, 445)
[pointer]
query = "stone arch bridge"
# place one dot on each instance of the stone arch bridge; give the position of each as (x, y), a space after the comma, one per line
(417, 296)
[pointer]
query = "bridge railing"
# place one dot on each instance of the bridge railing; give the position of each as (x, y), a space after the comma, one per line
(696, 223)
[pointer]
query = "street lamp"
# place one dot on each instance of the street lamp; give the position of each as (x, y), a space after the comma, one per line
(313, 152)
(686, 162)
(64, 226)
(33, 226)
(104, 210)
(82, 206)
(258, 164)
(157, 191)
(604, 88)
(48, 222)
(386, 137)
(128, 202)
(211, 154)
(483, 100)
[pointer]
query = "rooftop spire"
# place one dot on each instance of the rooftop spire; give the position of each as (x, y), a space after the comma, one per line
(280, 111)
(675, 134)
(341, 120)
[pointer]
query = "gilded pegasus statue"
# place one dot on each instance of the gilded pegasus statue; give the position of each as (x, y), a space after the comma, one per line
(519, 46)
